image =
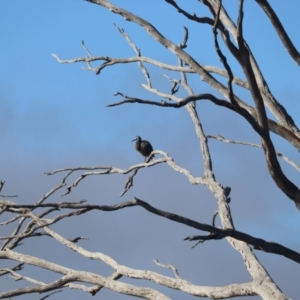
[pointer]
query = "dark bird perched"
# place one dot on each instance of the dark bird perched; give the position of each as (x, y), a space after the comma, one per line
(227, 191)
(144, 147)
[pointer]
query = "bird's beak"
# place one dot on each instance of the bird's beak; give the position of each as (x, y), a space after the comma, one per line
(134, 140)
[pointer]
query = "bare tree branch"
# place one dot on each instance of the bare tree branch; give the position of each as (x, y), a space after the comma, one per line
(219, 233)
(137, 52)
(37, 219)
(168, 266)
(286, 41)
(274, 106)
(261, 127)
(285, 158)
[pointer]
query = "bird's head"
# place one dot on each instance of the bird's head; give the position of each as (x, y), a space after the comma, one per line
(137, 138)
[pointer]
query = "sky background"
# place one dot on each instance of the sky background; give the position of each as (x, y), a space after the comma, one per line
(54, 116)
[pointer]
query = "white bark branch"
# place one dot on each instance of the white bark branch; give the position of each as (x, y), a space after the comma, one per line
(285, 158)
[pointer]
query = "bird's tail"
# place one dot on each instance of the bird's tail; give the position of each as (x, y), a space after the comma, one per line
(149, 158)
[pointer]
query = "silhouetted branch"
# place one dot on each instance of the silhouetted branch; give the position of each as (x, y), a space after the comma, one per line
(179, 104)
(51, 294)
(258, 243)
(285, 39)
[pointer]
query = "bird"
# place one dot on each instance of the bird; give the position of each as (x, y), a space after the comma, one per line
(144, 147)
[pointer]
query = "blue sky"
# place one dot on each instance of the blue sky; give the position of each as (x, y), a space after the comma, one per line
(54, 116)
